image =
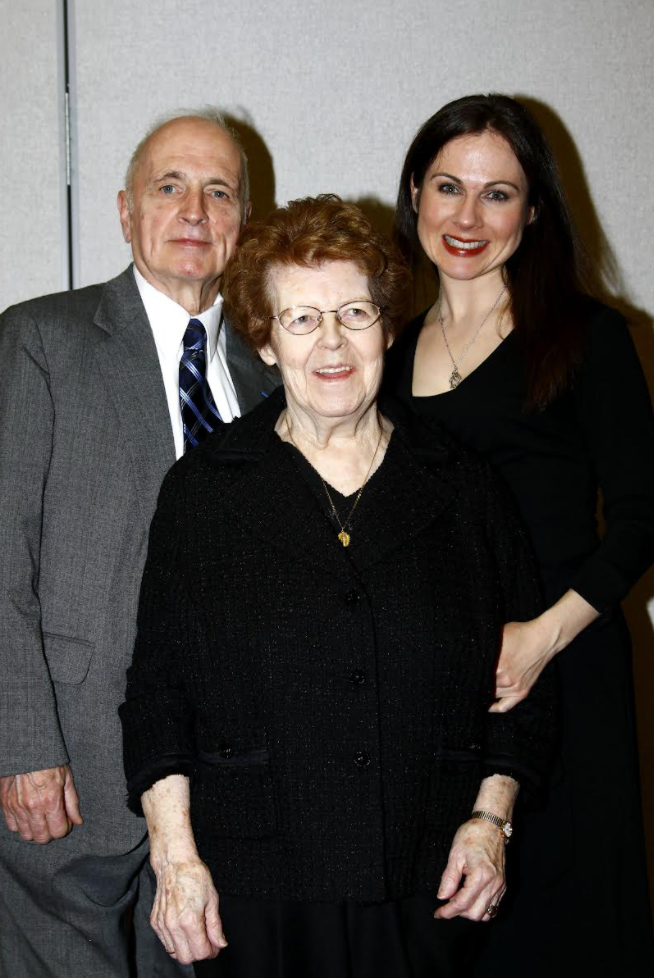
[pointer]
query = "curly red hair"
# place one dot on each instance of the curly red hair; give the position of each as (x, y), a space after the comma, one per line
(311, 232)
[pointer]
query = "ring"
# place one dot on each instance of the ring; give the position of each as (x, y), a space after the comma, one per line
(492, 911)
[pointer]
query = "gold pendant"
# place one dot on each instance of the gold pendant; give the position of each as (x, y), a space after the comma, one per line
(455, 378)
(344, 538)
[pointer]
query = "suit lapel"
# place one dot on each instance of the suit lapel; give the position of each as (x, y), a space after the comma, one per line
(253, 380)
(128, 360)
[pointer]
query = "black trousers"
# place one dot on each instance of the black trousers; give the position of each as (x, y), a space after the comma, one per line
(398, 939)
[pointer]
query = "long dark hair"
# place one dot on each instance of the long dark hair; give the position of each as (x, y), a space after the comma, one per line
(549, 275)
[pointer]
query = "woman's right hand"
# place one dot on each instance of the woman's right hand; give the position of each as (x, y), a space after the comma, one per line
(185, 911)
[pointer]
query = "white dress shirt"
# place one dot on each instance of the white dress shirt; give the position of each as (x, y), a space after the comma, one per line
(168, 322)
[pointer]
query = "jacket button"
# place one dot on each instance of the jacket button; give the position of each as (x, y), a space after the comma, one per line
(351, 597)
(357, 677)
(361, 758)
(226, 752)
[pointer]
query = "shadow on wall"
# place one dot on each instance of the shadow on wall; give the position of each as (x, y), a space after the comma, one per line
(260, 164)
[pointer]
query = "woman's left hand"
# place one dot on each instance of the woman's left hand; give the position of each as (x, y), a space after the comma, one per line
(477, 854)
(526, 650)
(528, 646)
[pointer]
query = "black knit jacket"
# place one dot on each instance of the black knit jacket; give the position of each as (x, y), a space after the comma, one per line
(333, 719)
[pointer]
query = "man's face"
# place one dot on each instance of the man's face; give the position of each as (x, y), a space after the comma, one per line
(185, 215)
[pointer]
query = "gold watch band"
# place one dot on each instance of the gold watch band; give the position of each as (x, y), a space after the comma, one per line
(503, 824)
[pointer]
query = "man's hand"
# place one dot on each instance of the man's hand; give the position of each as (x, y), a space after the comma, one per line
(42, 805)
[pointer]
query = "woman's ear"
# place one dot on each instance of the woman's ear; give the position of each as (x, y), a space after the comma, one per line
(415, 194)
(267, 355)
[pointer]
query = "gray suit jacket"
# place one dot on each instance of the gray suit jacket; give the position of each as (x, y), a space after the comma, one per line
(85, 440)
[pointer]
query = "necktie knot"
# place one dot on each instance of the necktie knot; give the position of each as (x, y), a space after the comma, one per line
(195, 337)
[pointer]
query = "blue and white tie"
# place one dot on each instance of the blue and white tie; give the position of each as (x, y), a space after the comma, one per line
(199, 411)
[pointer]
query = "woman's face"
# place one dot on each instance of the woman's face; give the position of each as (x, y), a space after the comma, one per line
(472, 206)
(333, 372)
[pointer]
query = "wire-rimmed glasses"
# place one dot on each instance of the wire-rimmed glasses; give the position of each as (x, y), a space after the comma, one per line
(355, 314)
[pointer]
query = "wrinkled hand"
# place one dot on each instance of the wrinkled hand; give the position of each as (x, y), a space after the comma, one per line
(185, 912)
(477, 854)
(42, 805)
(526, 650)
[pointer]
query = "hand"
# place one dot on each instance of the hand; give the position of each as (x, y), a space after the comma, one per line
(42, 805)
(185, 912)
(526, 650)
(477, 854)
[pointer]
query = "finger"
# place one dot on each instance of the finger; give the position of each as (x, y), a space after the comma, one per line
(464, 899)
(450, 880)
(40, 829)
(71, 802)
(489, 898)
(10, 819)
(506, 703)
(214, 925)
(190, 940)
(156, 922)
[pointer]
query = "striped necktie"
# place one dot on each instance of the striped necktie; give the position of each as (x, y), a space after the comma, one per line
(199, 412)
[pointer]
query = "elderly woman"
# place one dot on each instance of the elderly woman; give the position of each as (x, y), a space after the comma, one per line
(520, 362)
(307, 723)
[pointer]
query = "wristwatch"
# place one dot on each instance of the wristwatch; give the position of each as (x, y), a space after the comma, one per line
(503, 824)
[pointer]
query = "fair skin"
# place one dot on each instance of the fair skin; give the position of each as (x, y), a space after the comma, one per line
(331, 379)
(184, 214)
(472, 210)
(183, 221)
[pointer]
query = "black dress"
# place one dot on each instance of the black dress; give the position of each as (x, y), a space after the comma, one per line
(577, 901)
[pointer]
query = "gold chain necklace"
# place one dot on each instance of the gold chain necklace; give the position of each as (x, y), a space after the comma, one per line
(343, 536)
(455, 376)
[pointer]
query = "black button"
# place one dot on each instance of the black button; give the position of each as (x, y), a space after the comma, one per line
(351, 597)
(361, 758)
(226, 752)
(358, 677)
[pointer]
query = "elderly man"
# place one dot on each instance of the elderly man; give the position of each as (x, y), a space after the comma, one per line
(100, 390)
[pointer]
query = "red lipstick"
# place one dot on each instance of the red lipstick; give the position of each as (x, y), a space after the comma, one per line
(463, 252)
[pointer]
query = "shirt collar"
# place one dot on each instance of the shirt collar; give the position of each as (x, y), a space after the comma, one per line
(169, 320)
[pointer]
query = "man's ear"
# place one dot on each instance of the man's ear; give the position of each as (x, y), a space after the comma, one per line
(125, 216)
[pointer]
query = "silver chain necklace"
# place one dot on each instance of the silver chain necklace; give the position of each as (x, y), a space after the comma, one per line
(455, 376)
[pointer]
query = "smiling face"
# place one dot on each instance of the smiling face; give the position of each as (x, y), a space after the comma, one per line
(472, 207)
(185, 212)
(334, 372)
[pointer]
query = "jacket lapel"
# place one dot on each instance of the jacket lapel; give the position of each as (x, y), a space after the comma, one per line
(253, 380)
(128, 360)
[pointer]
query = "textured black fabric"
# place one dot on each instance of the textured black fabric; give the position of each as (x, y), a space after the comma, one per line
(577, 876)
(255, 627)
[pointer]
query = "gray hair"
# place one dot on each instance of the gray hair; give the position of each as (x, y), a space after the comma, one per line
(209, 114)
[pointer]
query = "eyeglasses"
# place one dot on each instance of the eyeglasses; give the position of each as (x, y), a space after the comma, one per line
(356, 314)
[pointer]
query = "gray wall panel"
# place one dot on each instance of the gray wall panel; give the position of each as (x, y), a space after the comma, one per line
(33, 253)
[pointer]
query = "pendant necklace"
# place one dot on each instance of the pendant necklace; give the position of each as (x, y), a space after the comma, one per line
(455, 376)
(343, 536)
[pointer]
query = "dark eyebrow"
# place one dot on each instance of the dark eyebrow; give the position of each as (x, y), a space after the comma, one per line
(491, 183)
